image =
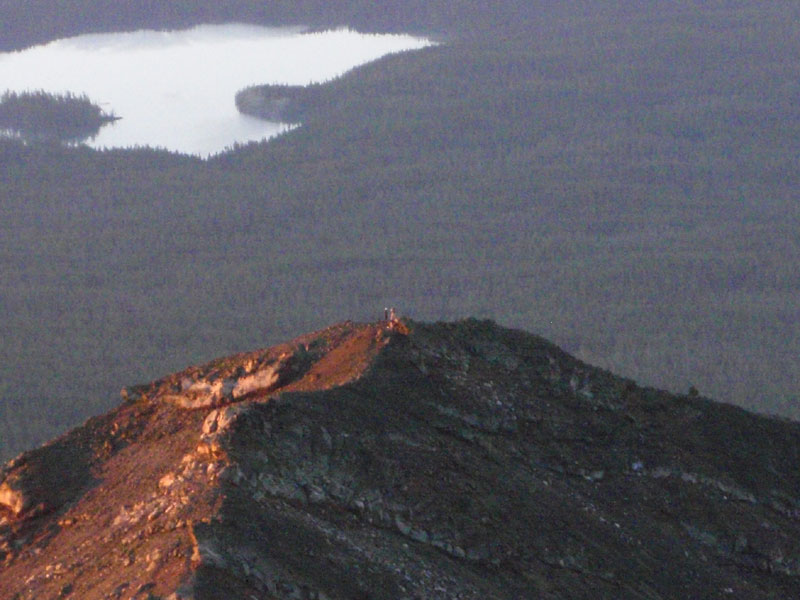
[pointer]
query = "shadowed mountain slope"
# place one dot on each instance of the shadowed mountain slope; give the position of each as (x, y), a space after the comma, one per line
(406, 460)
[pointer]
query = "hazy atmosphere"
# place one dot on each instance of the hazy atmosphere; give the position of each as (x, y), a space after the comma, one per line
(621, 180)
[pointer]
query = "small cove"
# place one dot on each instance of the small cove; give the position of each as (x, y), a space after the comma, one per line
(176, 89)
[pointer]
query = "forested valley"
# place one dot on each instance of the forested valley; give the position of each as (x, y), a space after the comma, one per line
(622, 181)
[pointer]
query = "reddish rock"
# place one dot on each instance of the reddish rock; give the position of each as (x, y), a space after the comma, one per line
(455, 460)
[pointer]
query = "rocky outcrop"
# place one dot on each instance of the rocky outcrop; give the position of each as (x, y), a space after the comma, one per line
(13, 499)
(408, 460)
(45, 479)
(217, 389)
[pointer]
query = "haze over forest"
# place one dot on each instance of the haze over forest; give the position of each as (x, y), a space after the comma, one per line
(621, 180)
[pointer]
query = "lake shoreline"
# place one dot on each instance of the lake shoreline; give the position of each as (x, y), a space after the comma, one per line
(161, 81)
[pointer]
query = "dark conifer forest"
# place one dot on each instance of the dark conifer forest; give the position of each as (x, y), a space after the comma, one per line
(622, 180)
(63, 117)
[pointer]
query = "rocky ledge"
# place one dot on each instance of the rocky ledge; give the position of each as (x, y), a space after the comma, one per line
(406, 460)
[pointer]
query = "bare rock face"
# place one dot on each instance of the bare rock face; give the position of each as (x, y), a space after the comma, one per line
(404, 460)
(218, 389)
(43, 480)
(13, 499)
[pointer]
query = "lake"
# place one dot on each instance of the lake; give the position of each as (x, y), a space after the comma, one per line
(175, 89)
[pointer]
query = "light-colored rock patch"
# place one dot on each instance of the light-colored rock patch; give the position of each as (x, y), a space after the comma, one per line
(260, 380)
(11, 498)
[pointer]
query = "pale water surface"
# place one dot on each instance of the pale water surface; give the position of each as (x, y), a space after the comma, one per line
(176, 89)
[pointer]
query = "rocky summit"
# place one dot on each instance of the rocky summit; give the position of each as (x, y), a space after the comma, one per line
(402, 460)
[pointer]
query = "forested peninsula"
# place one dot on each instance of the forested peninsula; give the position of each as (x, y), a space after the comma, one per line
(43, 116)
(621, 180)
(286, 103)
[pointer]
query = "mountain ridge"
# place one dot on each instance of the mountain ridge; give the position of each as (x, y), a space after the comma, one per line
(406, 460)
